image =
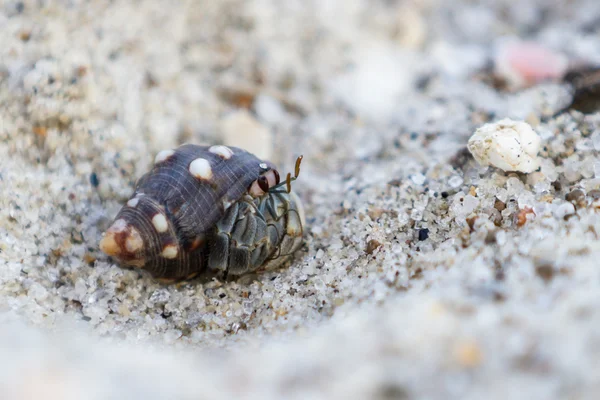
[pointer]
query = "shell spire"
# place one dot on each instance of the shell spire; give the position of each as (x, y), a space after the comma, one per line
(124, 242)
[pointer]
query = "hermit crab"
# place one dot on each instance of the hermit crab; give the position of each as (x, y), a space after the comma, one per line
(217, 209)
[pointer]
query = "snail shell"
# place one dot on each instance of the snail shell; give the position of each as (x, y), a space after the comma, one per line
(206, 208)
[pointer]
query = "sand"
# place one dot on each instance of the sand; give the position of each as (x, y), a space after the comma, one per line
(424, 274)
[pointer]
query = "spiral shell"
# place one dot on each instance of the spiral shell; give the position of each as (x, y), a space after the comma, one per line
(199, 208)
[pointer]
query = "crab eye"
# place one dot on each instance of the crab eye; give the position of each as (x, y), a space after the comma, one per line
(263, 183)
(277, 178)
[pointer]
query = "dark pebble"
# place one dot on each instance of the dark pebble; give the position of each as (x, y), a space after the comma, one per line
(372, 245)
(575, 195)
(423, 234)
(545, 271)
(577, 198)
(94, 179)
(557, 186)
(499, 205)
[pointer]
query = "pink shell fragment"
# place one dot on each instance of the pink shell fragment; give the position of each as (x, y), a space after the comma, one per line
(527, 63)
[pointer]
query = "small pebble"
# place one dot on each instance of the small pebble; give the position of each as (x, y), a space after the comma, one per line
(506, 144)
(521, 217)
(499, 205)
(564, 209)
(94, 179)
(596, 141)
(455, 181)
(594, 194)
(372, 245)
(469, 354)
(411, 26)
(545, 271)
(418, 179)
(423, 234)
(576, 197)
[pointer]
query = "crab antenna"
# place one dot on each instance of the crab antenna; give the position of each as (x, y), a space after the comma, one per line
(297, 169)
(288, 182)
(289, 179)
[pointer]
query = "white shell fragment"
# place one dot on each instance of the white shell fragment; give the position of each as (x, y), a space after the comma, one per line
(506, 144)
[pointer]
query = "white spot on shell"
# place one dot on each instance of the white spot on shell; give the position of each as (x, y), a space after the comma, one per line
(507, 144)
(163, 156)
(169, 251)
(200, 168)
(222, 151)
(134, 241)
(263, 166)
(160, 223)
(133, 202)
